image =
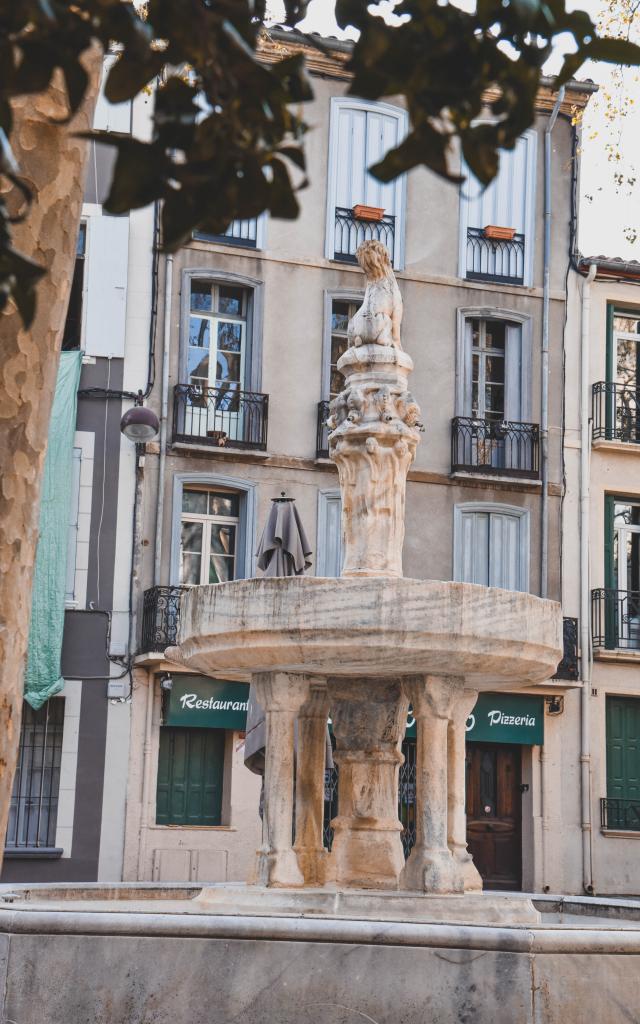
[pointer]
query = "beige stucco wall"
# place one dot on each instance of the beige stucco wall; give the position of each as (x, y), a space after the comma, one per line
(295, 276)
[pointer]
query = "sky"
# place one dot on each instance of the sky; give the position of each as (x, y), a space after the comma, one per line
(607, 209)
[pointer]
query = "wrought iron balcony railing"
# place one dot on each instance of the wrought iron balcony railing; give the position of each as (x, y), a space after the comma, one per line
(500, 447)
(615, 619)
(220, 416)
(615, 812)
(239, 232)
(350, 231)
(616, 412)
(160, 617)
(322, 431)
(494, 259)
(569, 667)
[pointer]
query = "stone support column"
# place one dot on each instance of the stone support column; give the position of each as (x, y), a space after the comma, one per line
(282, 695)
(310, 766)
(456, 782)
(369, 718)
(431, 867)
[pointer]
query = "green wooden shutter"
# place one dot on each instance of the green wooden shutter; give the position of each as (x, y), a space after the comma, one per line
(623, 761)
(610, 581)
(190, 769)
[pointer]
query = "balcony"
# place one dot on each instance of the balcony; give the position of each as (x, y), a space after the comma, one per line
(569, 666)
(239, 232)
(618, 813)
(160, 618)
(220, 416)
(322, 431)
(350, 231)
(615, 619)
(615, 413)
(494, 259)
(497, 448)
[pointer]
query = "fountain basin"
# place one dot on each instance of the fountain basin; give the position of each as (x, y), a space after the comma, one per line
(374, 626)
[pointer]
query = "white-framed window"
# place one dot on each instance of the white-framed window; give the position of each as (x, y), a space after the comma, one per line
(508, 203)
(329, 546)
(250, 233)
(213, 530)
(208, 535)
(491, 545)
(494, 365)
(217, 340)
(339, 309)
(360, 135)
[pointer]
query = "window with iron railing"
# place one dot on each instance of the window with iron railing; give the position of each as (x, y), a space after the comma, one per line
(33, 810)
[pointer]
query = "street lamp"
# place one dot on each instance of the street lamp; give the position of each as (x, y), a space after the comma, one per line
(140, 424)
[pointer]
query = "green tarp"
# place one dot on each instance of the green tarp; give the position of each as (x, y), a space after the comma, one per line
(43, 678)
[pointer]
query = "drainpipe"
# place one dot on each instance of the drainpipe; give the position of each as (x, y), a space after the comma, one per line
(585, 634)
(168, 282)
(544, 401)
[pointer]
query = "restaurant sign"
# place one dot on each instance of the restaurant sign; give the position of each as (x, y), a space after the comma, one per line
(503, 718)
(202, 703)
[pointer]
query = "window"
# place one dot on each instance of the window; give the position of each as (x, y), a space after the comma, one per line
(190, 774)
(329, 547)
(360, 135)
(491, 432)
(342, 311)
(240, 513)
(72, 337)
(616, 405)
(508, 204)
(34, 802)
(217, 338)
(208, 536)
(622, 572)
(491, 545)
(623, 763)
(249, 234)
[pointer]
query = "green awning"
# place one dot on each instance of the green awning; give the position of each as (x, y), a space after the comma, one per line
(503, 718)
(202, 703)
(43, 678)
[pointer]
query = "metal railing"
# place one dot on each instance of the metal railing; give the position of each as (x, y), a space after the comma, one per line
(322, 431)
(497, 447)
(616, 812)
(351, 231)
(569, 667)
(239, 232)
(33, 810)
(221, 416)
(615, 412)
(615, 619)
(406, 799)
(160, 617)
(494, 259)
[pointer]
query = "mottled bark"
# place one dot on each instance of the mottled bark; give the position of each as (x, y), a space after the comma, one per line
(52, 162)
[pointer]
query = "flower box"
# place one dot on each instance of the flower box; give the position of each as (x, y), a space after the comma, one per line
(361, 212)
(499, 234)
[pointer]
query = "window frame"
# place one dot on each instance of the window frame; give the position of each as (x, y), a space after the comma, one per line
(339, 103)
(206, 520)
(531, 135)
(247, 492)
(49, 848)
(332, 295)
(253, 321)
(524, 321)
(489, 507)
(261, 235)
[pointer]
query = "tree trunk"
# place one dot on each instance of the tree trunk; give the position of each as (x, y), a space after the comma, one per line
(52, 162)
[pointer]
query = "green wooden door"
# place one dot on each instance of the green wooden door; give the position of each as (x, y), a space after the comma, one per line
(623, 762)
(190, 767)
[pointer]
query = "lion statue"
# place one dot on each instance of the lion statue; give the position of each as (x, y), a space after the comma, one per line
(378, 320)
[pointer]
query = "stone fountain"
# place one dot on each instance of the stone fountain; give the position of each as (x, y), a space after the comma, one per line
(353, 935)
(365, 647)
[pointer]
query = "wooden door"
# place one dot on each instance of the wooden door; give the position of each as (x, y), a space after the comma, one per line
(493, 800)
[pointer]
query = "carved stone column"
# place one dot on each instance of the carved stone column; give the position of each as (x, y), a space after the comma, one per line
(457, 820)
(281, 695)
(369, 718)
(431, 867)
(374, 433)
(310, 765)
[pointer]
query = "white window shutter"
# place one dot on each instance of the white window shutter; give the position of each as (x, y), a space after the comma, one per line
(329, 553)
(106, 285)
(513, 373)
(72, 540)
(491, 547)
(111, 117)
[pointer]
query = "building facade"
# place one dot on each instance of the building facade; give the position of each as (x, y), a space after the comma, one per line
(252, 325)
